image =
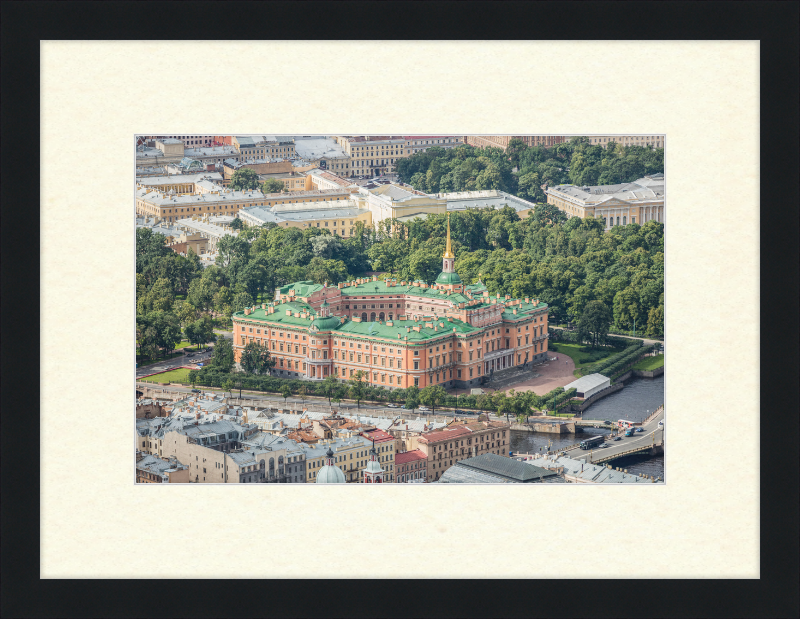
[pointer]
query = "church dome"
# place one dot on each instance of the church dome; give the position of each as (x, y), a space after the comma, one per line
(330, 473)
(448, 278)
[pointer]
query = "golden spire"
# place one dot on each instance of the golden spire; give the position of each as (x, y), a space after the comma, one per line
(448, 252)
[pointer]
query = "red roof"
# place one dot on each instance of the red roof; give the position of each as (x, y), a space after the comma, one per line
(444, 435)
(379, 436)
(409, 456)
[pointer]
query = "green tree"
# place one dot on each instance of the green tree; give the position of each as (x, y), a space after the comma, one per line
(256, 359)
(240, 301)
(320, 270)
(303, 393)
(223, 358)
(594, 323)
(227, 385)
(184, 312)
(329, 386)
(286, 391)
(200, 331)
(358, 386)
(503, 403)
(201, 293)
(237, 224)
(244, 179)
(339, 394)
(433, 396)
(412, 398)
(272, 185)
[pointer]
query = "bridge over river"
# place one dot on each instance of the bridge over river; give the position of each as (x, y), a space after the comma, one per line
(649, 440)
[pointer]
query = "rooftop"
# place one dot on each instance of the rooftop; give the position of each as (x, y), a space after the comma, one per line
(590, 473)
(409, 456)
(505, 467)
(646, 189)
(585, 383)
(317, 148)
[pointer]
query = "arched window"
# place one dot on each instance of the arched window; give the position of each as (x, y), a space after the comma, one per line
(372, 317)
(364, 316)
(381, 316)
(272, 467)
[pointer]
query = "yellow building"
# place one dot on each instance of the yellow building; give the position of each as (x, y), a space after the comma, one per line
(338, 216)
(393, 201)
(501, 141)
(351, 455)
(625, 203)
(212, 199)
(656, 141)
(373, 155)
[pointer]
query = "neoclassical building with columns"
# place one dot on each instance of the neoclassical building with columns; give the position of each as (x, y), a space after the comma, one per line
(625, 203)
(399, 333)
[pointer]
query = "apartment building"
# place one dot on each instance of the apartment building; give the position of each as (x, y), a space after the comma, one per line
(501, 141)
(462, 440)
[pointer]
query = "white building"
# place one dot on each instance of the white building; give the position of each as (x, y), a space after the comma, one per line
(587, 386)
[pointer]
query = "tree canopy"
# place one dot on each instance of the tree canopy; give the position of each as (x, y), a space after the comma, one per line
(522, 170)
(244, 179)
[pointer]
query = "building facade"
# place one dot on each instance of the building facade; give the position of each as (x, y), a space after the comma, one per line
(151, 469)
(656, 141)
(501, 141)
(624, 203)
(411, 466)
(459, 441)
(397, 333)
(373, 155)
(421, 143)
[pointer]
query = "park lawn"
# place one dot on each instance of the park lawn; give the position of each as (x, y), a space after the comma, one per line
(581, 359)
(188, 348)
(180, 375)
(650, 363)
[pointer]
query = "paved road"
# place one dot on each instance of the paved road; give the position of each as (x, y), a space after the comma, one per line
(639, 439)
(177, 362)
(170, 364)
(320, 405)
(630, 337)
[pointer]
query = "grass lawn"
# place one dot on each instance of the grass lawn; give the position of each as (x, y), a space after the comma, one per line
(187, 345)
(650, 363)
(181, 375)
(581, 359)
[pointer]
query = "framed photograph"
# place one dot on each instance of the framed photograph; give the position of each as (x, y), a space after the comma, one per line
(559, 138)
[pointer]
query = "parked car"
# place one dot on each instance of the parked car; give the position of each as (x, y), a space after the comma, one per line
(391, 405)
(424, 408)
(195, 391)
(460, 412)
(639, 430)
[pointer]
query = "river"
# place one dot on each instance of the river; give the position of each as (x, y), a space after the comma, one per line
(639, 398)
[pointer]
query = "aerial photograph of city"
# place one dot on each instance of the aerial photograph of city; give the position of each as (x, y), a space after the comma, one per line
(399, 309)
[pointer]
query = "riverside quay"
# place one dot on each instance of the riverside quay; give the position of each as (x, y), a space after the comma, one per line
(399, 333)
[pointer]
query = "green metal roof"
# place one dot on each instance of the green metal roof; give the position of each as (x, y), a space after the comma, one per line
(302, 289)
(328, 323)
(448, 278)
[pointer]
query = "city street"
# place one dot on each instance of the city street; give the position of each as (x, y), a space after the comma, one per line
(640, 439)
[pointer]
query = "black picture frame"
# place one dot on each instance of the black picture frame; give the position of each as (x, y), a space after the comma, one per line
(775, 594)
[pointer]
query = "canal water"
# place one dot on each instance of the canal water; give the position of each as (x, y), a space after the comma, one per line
(639, 398)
